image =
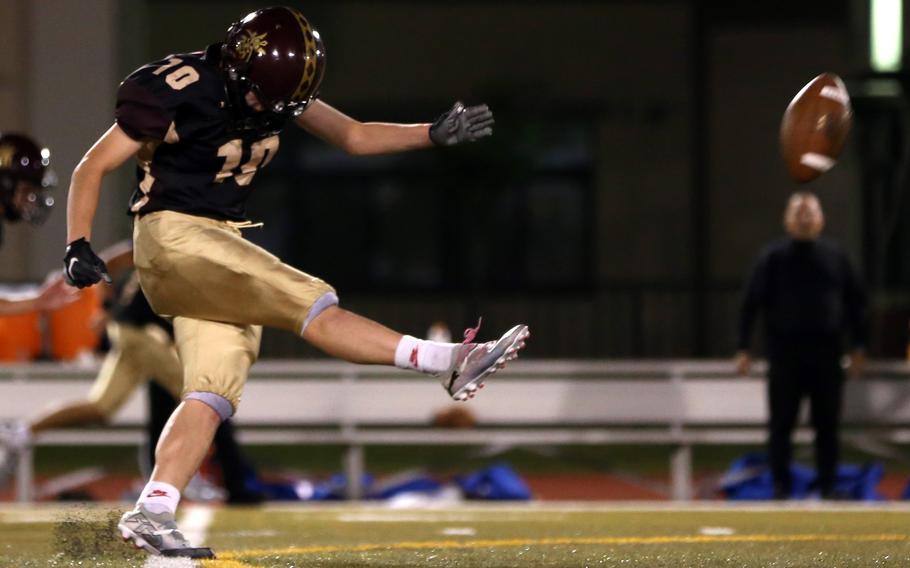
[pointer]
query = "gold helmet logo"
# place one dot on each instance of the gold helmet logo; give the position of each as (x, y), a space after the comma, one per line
(251, 43)
(311, 55)
(7, 154)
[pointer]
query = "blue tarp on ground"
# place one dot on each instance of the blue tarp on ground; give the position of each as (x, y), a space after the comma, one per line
(497, 482)
(749, 478)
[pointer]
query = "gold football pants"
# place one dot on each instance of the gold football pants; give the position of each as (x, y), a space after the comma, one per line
(200, 269)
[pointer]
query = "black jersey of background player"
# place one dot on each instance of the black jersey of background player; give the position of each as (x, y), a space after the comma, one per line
(133, 308)
(194, 160)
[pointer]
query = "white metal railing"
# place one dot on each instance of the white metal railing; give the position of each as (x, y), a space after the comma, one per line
(680, 403)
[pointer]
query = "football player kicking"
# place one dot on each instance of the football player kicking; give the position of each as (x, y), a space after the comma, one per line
(202, 125)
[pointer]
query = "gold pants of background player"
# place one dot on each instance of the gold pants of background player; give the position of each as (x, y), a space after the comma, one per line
(137, 354)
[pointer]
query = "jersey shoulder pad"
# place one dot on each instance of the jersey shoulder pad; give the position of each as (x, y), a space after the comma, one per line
(149, 98)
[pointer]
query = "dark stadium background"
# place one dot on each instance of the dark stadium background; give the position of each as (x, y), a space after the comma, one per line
(633, 175)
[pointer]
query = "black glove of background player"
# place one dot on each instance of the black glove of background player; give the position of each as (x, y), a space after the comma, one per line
(81, 266)
(462, 124)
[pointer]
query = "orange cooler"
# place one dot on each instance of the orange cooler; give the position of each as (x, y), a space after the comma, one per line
(71, 326)
(20, 337)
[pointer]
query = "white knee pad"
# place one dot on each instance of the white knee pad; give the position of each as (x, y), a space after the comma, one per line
(216, 402)
(324, 302)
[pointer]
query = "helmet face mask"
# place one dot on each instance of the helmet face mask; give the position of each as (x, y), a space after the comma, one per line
(275, 54)
(27, 202)
(26, 180)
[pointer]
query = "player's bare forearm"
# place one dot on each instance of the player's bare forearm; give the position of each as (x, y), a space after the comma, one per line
(82, 201)
(362, 138)
(385, 138)
(108, 153)
(49, 296)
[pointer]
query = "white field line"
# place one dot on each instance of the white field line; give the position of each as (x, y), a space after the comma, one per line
(717, 531)
(195, 523)
(458, 531)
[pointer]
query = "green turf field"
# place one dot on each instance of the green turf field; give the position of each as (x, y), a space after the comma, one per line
(482, 536)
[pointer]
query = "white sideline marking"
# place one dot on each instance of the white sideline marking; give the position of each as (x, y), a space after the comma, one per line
(717, 531)
(459, 531)
(194, 524)
(26, 517)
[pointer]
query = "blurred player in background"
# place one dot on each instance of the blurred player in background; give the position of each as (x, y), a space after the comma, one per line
(809, 295)
(141, 349)
(25, 185)
(202, 125)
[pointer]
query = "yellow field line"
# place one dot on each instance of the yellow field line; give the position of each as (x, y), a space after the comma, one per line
(568, 541)
(218, 563)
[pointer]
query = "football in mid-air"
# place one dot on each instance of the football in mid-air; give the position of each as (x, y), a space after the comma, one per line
(815, 127)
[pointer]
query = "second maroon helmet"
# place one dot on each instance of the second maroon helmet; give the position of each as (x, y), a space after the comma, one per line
(276, 54)
(25, 179)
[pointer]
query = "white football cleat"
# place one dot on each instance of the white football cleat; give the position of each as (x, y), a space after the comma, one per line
(473, 362)
(157, 534)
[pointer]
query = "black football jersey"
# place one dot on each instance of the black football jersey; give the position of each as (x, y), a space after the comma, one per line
(193, 159)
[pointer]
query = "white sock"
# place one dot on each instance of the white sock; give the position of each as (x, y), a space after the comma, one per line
(158, 497)
(424, 356)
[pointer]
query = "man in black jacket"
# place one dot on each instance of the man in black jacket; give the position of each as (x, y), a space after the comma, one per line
(809, 296)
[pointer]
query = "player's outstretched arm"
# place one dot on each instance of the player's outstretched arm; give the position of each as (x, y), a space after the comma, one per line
(459, 124)
(49, 296)
(362, 138)
(81, 266)
(15, 304)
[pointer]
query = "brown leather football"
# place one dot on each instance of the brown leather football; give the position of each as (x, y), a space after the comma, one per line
(815, 127)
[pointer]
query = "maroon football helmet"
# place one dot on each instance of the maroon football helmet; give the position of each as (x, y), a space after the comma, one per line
(276, 54)
(25, 179)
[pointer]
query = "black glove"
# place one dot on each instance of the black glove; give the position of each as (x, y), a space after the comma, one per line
(462, 124)
(81, 266)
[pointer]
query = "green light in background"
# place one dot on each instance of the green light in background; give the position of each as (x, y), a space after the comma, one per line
(887, 34)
